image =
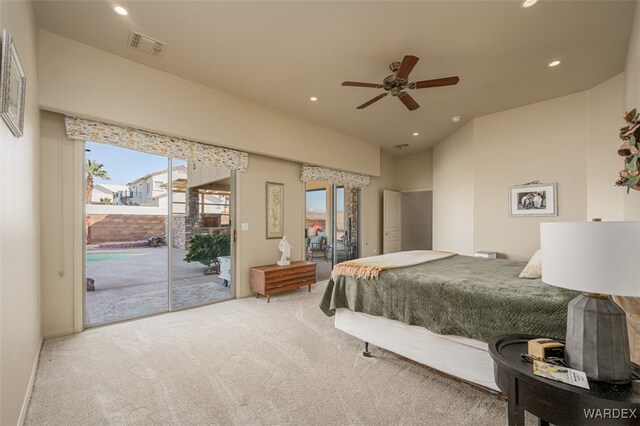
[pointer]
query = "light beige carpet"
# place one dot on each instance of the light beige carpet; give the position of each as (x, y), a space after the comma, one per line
(243, 362)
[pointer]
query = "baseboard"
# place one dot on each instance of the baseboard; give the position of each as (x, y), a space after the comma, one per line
(32, 379)
(54, 334)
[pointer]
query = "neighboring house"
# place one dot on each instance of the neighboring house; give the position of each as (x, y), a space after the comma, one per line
(207, 203)
(105, 190)
(145, 191)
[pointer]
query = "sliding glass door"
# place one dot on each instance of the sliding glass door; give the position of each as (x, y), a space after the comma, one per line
(331, 225)
(157, 232)
(201, 235)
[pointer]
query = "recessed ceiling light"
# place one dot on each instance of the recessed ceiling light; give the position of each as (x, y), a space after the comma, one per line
(528, 3)
(313, 99)
(554, 63)
(120, 10)
(456, 118)
(416, 134)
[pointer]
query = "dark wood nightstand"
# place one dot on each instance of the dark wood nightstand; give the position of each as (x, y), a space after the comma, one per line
(555, 402)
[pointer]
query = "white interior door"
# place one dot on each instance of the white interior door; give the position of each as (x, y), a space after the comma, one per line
(392, 221)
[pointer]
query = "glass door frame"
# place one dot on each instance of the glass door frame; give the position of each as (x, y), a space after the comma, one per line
(169, 239)
(232, 241)
(334, 217)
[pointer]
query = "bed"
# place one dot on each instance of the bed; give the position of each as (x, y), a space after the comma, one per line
(442, 313)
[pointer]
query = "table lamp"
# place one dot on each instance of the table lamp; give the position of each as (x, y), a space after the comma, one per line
(599, 259)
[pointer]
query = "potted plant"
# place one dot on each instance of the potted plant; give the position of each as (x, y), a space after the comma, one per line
(206, 249)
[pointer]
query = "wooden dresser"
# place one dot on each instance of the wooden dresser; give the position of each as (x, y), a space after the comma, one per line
(269, 279)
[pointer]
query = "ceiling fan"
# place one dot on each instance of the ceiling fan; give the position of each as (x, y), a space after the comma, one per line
(397, 83)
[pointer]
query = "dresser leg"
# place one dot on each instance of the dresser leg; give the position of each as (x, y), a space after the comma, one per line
(257, 295)
(268, 298)
(309, 288)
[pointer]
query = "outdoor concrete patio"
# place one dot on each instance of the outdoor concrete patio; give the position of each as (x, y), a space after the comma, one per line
(133, 282)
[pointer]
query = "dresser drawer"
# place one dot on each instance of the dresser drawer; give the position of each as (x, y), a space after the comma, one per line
(287, 277)
(302, 278)
(287, 272)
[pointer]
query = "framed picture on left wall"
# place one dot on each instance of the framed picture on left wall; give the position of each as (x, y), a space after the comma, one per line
(275, 210)
(13, 83)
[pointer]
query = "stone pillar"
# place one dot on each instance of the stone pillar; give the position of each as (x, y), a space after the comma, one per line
(193, 220)
(351, 215)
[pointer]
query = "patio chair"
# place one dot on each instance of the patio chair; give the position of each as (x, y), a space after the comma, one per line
(316, 246)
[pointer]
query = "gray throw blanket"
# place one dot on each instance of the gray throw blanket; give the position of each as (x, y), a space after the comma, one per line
(459, 295)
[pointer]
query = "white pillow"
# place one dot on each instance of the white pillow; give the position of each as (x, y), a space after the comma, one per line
(533, 270)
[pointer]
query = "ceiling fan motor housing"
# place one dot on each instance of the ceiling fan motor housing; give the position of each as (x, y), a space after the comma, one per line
(391, 83)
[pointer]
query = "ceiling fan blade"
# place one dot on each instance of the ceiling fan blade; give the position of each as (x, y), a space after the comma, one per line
(447, 81)
(408, 62)
(408, 101)
(358, 84)
(376, 99)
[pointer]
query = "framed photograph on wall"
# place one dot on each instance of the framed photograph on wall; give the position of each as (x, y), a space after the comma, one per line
(535, 199)
(12, 86)
(275, 210)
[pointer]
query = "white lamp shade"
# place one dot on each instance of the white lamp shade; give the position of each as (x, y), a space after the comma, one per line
(592, 257)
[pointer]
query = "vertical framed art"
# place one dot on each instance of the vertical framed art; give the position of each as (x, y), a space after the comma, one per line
(275, 210)
(12, 86)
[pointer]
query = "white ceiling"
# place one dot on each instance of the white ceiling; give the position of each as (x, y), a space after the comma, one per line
(280, 53)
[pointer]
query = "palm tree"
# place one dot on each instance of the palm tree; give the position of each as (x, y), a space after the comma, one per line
(94, 170)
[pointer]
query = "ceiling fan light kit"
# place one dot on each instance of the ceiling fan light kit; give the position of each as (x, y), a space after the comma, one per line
(396, 84)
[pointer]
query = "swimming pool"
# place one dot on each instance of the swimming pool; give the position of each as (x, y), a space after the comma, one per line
(101, 256)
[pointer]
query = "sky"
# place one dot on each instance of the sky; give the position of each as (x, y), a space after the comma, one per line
(124, 165)
(317, 201)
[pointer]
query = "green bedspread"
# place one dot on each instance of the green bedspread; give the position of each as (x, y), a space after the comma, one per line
(459, 295)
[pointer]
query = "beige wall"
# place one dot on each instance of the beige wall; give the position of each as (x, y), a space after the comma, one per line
(571, 140)
(631, 101)
(253, 249)
(543, 141)
(632, 66)
(20, 229)
(415, 172)
(604, 108)
(453, 183)
(81, 80)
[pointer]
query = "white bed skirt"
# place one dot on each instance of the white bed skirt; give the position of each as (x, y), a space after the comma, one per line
(461, 357)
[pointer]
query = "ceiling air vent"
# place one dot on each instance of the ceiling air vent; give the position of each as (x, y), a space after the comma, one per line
(146, 43)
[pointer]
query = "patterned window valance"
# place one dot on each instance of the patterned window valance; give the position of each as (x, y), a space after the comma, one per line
(338, 177)
(153, 143)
